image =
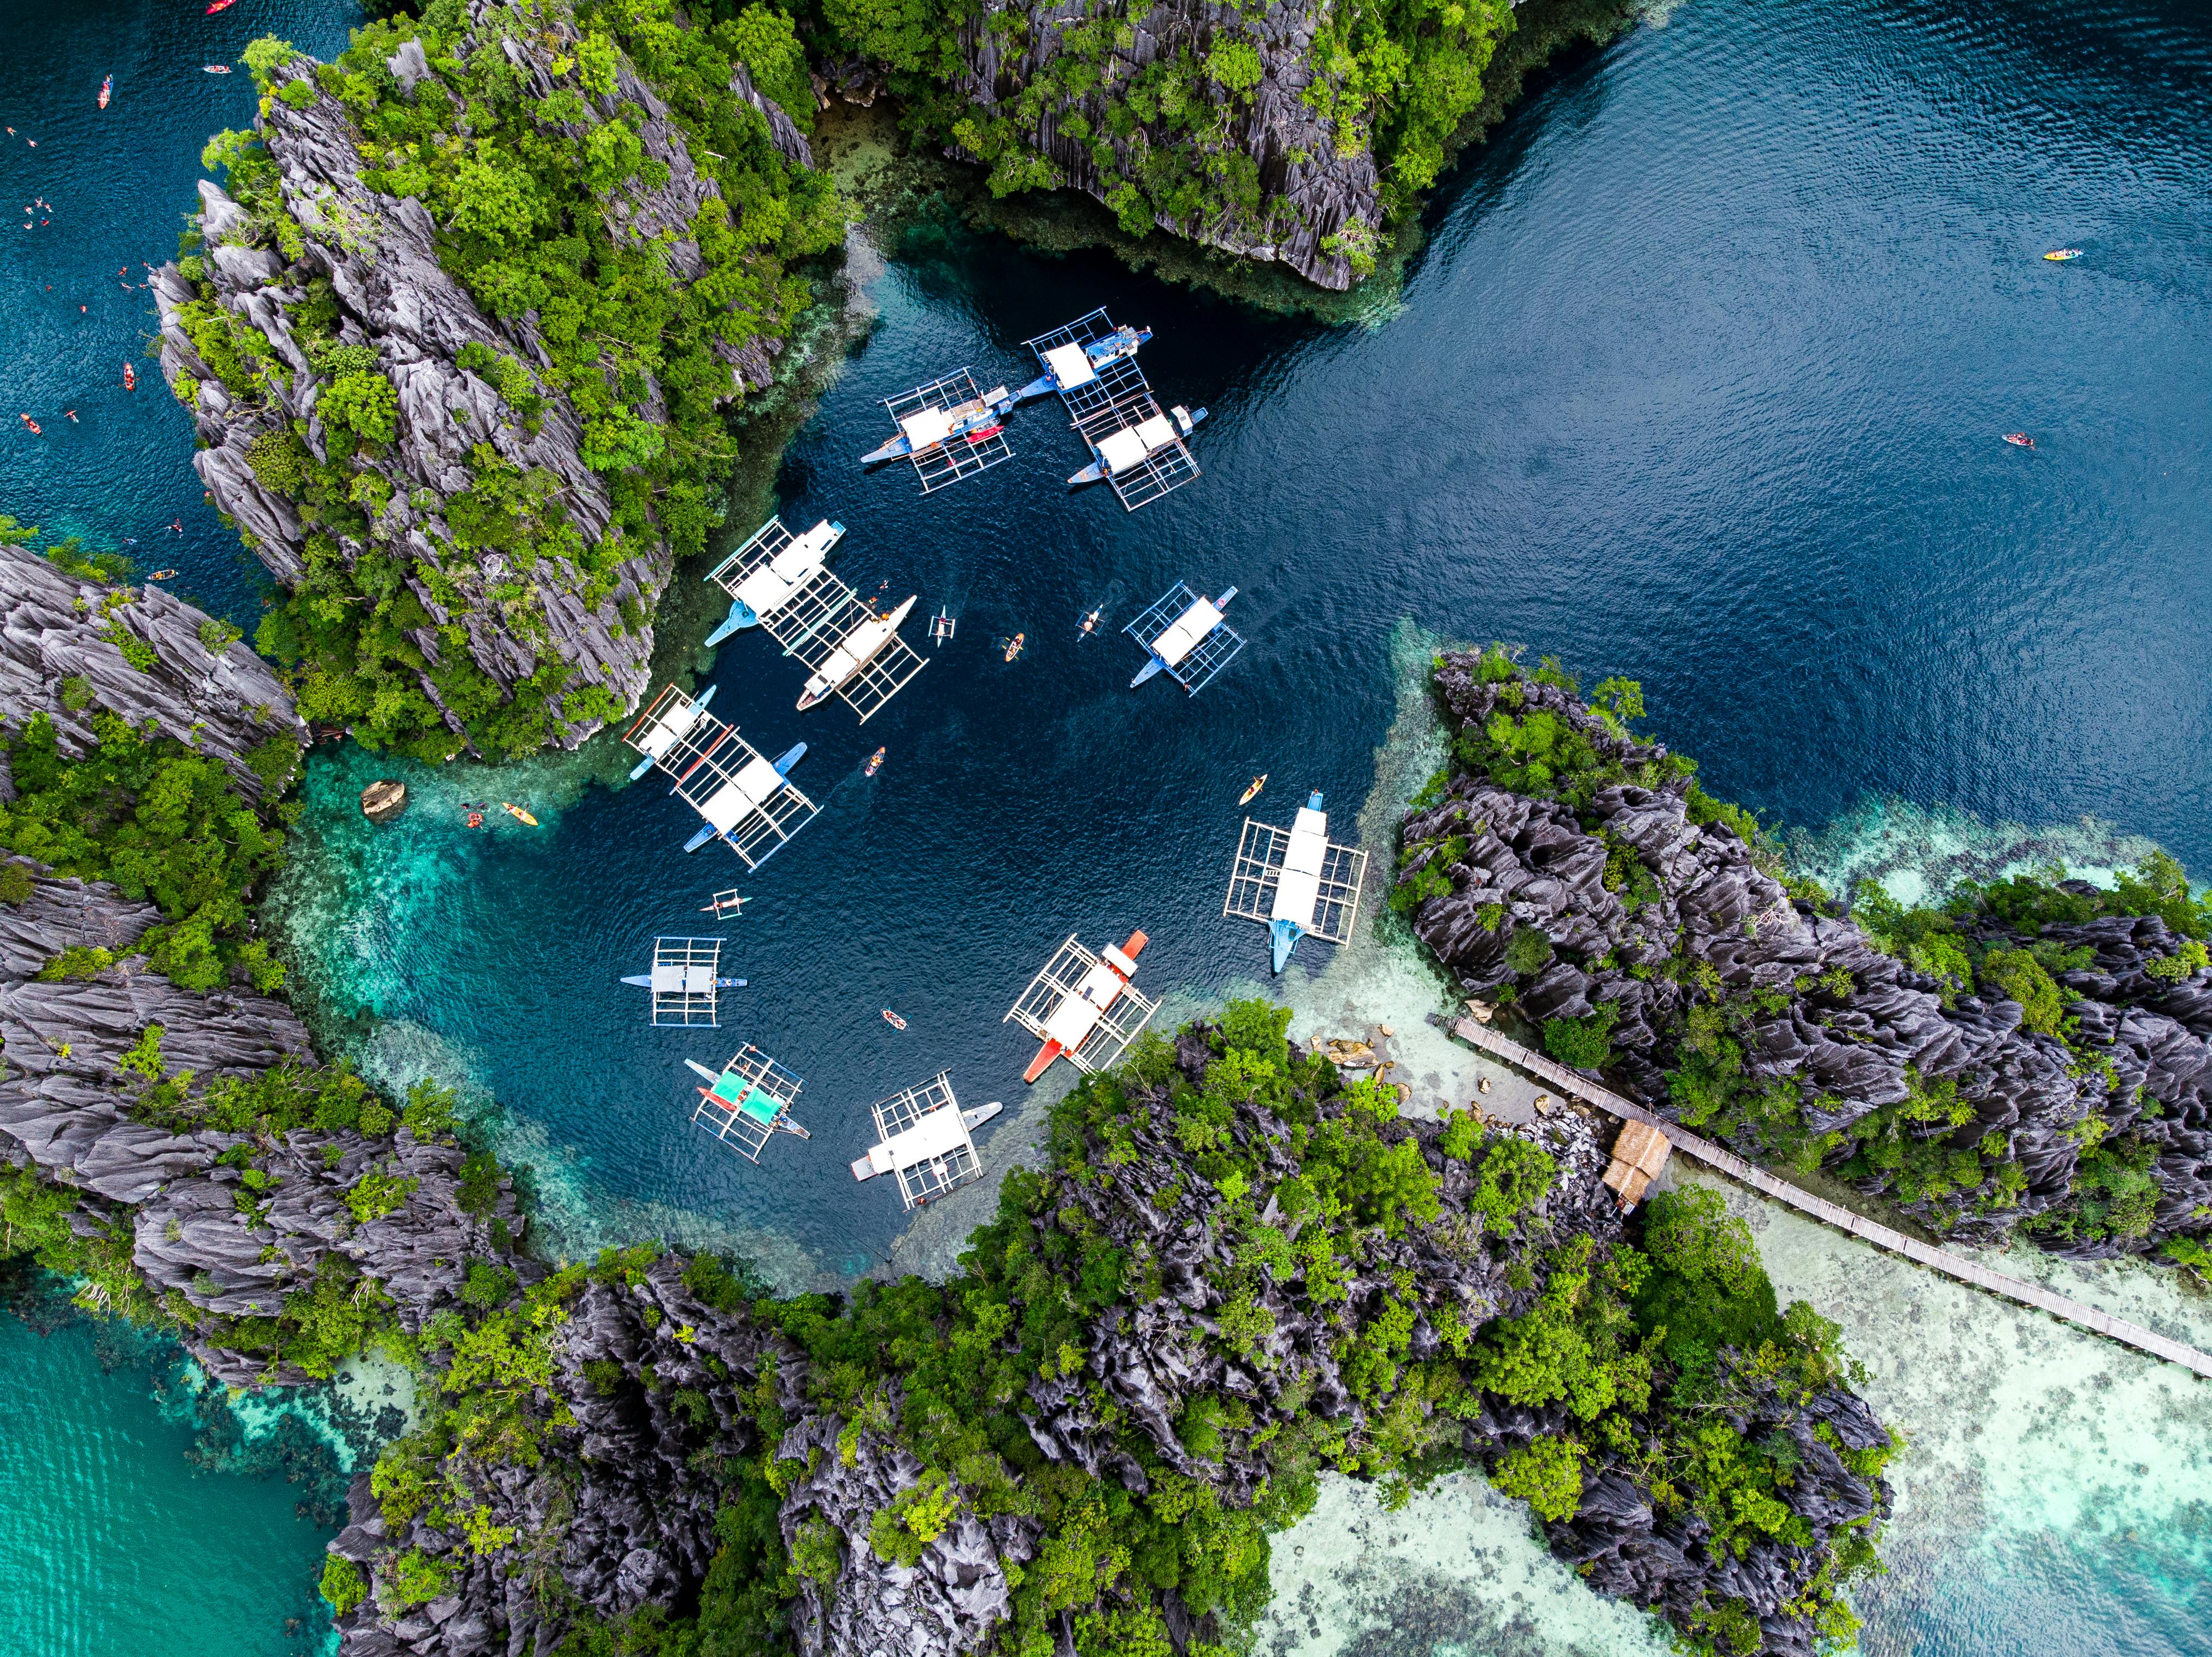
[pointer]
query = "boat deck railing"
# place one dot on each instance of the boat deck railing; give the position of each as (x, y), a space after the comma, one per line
(1575, 1086)
(694, 962)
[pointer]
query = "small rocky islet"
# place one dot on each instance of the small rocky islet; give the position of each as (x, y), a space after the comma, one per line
(1236, 1268)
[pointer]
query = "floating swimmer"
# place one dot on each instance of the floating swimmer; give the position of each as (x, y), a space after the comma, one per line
(71, 414)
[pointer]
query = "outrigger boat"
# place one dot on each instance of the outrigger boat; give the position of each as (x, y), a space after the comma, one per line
(1082, 1007)
(1186, 638)
(847, 659)
(698, 706)
(685, 981)
(972, 421)
(1131, 449)
(1297, 883)
(762, 586)
(1092, 364)
(2060, 255)
(950, 429)
(747, 800)
(730, 900)
(748, 1102)
(778, 581)
(942, 626)
(1078, 363)
(925, 1139)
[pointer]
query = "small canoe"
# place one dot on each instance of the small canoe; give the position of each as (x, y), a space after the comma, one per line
(161, 575)
(875, 762)
(219, 5)
(33, 425)
(1253, 793)
(215, 69)
(2060, 255)
(1014, 645)
(129, 378)
(2020, 440)
(107, 91)
(518, 813)
(893, 1020)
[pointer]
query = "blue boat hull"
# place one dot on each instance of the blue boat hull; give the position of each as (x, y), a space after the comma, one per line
(1283, 937)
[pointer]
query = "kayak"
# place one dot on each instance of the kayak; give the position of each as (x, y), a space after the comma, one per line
(2060, 255)
(875, 761)
(2020, 440)
(161, 575)
(518, 813)
(1014, 645)
(894, 1019)
(1253, 793)
(129, 378)
(219, 5)
(215, 69)
(107, 91)
(1089, 622)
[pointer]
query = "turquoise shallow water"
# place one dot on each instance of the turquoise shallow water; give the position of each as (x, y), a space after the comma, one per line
(138, 1517)
(1700, 379)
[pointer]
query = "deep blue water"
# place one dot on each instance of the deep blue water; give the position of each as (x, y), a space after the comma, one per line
(1700, 379)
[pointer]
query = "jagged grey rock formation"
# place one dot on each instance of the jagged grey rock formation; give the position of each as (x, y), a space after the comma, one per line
(192, 1224)
(59, 657)
(1533, 863)
(1312, 193)
(380, 254)
(653, 1390)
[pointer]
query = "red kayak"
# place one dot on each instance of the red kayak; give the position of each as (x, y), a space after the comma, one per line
(220, 5)
(129, 378)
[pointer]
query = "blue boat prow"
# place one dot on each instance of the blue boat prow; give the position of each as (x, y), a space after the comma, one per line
(790, 757)
(1283, 936)
(741, 617)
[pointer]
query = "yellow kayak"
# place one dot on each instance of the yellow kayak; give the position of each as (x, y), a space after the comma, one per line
(518, 813)
(2060, 255)
(1252, 792)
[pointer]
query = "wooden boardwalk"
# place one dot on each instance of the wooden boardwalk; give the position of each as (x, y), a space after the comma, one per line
(1575, 1086)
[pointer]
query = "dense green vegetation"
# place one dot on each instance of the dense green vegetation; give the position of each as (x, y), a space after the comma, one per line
(1999, 941)
(525, 192)
(321, 1322)
(1396, 77)
(1651, 1351)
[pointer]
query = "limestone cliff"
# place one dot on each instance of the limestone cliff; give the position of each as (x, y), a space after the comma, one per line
(1681, 935)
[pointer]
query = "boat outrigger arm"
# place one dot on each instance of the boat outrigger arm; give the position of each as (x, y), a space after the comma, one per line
(769, 570)
(637, 771)
(1069, 366)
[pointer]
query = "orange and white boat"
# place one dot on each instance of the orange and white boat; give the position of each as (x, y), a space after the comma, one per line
(1082, 1007)
(129, 378)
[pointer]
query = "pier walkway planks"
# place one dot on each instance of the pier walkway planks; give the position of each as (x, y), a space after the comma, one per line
(1896, 1242)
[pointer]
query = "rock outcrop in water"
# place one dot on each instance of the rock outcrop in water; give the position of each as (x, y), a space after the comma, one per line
(1743, 1009)
(669, 1427)
(64, 641)
(316, 280)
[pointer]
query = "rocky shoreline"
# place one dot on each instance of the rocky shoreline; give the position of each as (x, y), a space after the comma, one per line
(1575, 874)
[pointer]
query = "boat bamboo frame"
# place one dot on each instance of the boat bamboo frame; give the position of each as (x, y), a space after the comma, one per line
(1117, 398)
(955, 458)
(821, 617)
(1257, 872)
(1115, 1028)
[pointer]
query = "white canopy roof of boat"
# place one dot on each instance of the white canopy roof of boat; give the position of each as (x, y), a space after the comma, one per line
(1156, 432)
(1121, 449)
(1184, 632)
(1298, 889)
(1078, 1010)
(1070, 366)
(683, 978)
(938, 1132)
(669, 729)
(742, 795)
(926, 428)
